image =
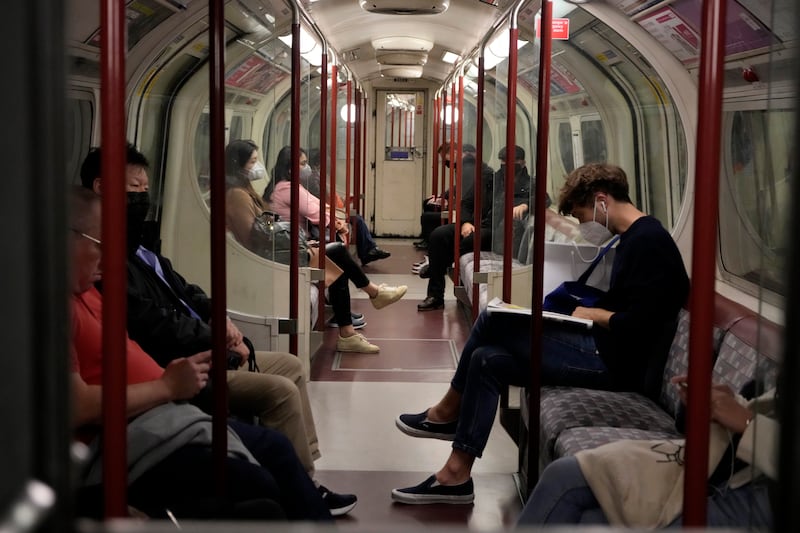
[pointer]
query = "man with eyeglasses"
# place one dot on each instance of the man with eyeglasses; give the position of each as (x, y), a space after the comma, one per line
(169, 444)
(169, 318)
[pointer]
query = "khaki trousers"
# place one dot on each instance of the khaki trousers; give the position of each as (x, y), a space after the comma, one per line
(277, 395)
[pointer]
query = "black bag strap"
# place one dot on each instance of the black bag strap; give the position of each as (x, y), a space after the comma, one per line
(585, 276)
(251, 361)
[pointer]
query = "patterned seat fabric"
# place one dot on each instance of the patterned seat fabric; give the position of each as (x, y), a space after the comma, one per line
(738, 363)
(574, 440)
(564, 408)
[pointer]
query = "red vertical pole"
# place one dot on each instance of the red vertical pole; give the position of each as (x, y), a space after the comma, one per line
(478, 184)
(348, 200)
(216, 92)
(294, 136)
(437, 102)
(115, 464)
(363, 153)
(333, 149)
(704, 249)
(542, 136)
(323, 178)
(511, 140)
(357, 153)
(456, 191)
(451, 174)
(441, 190)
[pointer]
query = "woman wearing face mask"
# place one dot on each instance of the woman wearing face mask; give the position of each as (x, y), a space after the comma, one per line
(277, 193)
(633, 327)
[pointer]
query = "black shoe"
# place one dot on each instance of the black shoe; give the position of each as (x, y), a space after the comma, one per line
(431, 303)
(375, 254)
(431, 491)
(425, 271)
(421, 245)
(419, 426)
(338, 504)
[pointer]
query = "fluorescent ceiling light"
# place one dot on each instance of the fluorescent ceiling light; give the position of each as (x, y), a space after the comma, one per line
(450, 57)
(307, 42)
(499, 45)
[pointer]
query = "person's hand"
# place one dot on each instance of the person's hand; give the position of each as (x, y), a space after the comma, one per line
(725, 409)
(467, 229)
(233, 336)
(186, 376)
(243, 351)
(340, 226)
(519, 211)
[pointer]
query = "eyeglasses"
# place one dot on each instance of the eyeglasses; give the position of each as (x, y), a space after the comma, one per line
(82, 234)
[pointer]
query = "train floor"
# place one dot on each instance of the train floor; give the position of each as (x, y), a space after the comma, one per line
(356, 398)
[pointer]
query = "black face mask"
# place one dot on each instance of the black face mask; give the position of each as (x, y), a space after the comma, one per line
(138, 208)
(447, 163)
(517, 167)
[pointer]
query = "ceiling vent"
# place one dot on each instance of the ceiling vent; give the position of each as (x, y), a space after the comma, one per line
(401, 57)
(405, 7)
(401, 71)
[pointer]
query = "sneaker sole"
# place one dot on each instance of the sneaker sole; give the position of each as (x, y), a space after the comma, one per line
(414, 432)
(424, 499)
(343, 510)
(338, 349)
(355, 326)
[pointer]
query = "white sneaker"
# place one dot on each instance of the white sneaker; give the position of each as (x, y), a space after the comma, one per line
(387, 295)
(356, 343)
(418, 265)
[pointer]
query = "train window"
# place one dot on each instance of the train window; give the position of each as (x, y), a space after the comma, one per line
(565, 147)
(79, 115)
(757, 179)
(593, 140)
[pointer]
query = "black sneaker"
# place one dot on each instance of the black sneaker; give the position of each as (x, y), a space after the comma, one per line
(338, 504)
(374, 255)
(431, 491)
(420, 426)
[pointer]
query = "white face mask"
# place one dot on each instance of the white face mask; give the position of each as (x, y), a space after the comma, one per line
(257, 172)
(305, 174)
(593, 231)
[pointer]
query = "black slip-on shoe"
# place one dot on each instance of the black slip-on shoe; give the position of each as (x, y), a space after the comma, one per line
(419, 426)
(431, 491)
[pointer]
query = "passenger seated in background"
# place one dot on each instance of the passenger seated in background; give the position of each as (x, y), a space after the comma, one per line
(241, 203)
(648, 287)
(366, 247)
(169, 318)
(169, 453)
(442, 241)
(576, 489)
(433, 206)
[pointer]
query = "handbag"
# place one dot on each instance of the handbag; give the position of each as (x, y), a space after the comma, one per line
(571, 294)
(271, 238)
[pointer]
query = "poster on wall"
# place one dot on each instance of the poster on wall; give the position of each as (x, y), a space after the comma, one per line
(777, 15)
(254, 74)
(674, 33)
(631, 7)
(743, 32)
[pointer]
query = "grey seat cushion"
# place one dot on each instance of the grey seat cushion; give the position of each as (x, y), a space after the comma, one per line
(574, 440)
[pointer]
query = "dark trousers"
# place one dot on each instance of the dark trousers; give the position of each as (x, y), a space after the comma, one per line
(298, 496)
(497, 354)
(430, 219)
(339, 290)
(440, 254)
(364, 240)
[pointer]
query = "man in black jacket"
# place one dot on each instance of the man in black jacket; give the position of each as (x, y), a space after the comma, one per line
(169, 318)
(442, 240)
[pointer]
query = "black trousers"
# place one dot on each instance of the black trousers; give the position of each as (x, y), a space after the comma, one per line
(339, 290)
(440, 253)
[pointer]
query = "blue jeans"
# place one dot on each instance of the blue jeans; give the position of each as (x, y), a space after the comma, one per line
(563, 496)
(497, 354)
(364, 240)
(299, 498)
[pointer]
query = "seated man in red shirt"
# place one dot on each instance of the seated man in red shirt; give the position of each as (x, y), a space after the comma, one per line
(169, 454)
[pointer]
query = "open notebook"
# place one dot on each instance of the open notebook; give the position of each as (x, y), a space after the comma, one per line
(499, 306)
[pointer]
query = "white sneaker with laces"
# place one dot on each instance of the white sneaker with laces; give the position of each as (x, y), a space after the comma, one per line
(356, 343)
(387, 295)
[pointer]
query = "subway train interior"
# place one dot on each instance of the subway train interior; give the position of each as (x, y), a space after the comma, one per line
(388, 103)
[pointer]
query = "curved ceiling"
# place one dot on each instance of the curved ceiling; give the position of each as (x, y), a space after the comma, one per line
(351, 31)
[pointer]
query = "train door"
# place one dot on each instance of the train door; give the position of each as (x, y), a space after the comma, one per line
(399, 162)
